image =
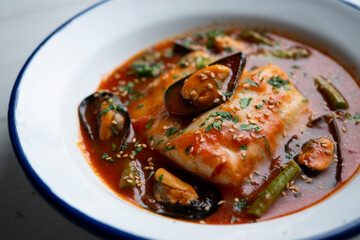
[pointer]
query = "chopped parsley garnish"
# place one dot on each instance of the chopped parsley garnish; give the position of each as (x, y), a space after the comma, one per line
(244, 147)
(113, 147)
(298, 195)
(187, 150)
(305, 100)
(236, 119)
(133, 94)
(171, 131)
(353, 119)
(146, 69)
(104, 155)
(278, 82)
(161, 177)
(158, 143)
(201, 62)
(149, 123)
(182, 131)
(217, 125)
(202, 124)
(259, 106)
(169, 148)
(138, 106)
(228, 94)
(266, 144)
(251, 82)
(244, 102)
(113, 130)
(112, 106)
(288, 155)
(212, 35)
(233, 219)
(218, 85)
(224, 115)
(248, 181)
(228, 49)
(245, 126)
(150, 175)
(240, 204)
(295, 66)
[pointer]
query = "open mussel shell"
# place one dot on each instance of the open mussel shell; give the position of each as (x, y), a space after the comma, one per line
(321, 127)
(175, 102)
(104, 118)
(201, 207)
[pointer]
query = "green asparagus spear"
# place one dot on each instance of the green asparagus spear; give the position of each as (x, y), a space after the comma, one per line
(128, 176)
(336, 100)
(256, 37)
(294, 53)
(266, 198)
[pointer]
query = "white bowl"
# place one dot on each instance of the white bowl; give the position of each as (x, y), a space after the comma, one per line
(68, 65)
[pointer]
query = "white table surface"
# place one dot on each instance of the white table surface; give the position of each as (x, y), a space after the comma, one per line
(23, 26)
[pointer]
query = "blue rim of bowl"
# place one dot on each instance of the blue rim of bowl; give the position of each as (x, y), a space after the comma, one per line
(80, 218)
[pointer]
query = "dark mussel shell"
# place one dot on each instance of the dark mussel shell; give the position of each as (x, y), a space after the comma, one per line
(204, 206)
(317, 128)
(91, 112)
(177, 105)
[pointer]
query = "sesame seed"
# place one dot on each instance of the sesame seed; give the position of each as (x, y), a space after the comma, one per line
(193, 93)
(252, 121)
(223, 160)
(261, 121)
(202, 222)
(303, 177)
(326, 108)
(335, 156)
(235, 127)
(151, 164)
(129, 180)
(108, 158)
(165, 127)
(198, 150)
(283, 193)
(212, 74)
(149, 159)
(231, 130)
(252, 134)
(284, 134)
(220, 202)
(217, 154)
(266, 114)
(131, 156)
(151, 168)
(146, 167)
(346, 121)
(118, 156)
(250, 176)
(218, 117)
(238, 139)
(308, 180)
(292, 182)
(202, 140)
(297, 189)
(216, 100)
(236, 200)
(134, 140)
(210, 86)
(243, 153)
(248, 115)
(126, 155)
(344, 129)
(336, 160)
(319, 187)
(152, 143)
(191, 149)
(328, 152)
(207, 208)
(197, 132)
(237, 107)
(246, 85)
(270, 106)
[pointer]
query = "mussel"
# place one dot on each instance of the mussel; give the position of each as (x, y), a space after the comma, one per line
(177, 198)
(104, 118)
(315, 148)
(206, 88)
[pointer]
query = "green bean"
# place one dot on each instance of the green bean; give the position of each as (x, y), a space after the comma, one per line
(294, 53)
(128, 176)
(334, 97)
(267, 197)
(253, 36)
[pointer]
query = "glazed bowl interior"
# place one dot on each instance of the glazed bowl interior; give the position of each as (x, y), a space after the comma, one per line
(70, 64)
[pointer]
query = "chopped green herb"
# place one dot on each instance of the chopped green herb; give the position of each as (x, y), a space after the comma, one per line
(288, 155)
(245, 126)
(150, 123)
(277, 82)
(218, 85)
(113, 130)
(295, 66)
(240, 204)
(298, 195)
(348, 116)
(233, 219)
(187, 150)
(171, 131)
(259, 106)
(113, 147)
(244, 147)
(201, 62)
(202, 124)
(158, 143)
(146, 69)
(182, 131)
(104, 155)
(167, 148)
(224, 115)
(228, 49)
(266, 144)
(150, 175)
(251, 82)
(264, 100)
(161, 177)
(228, 94)
(212, 35)
(236, 119)
(357, 116)
(138, 106)
(305, 100)
(248, 181)
(244, 102)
